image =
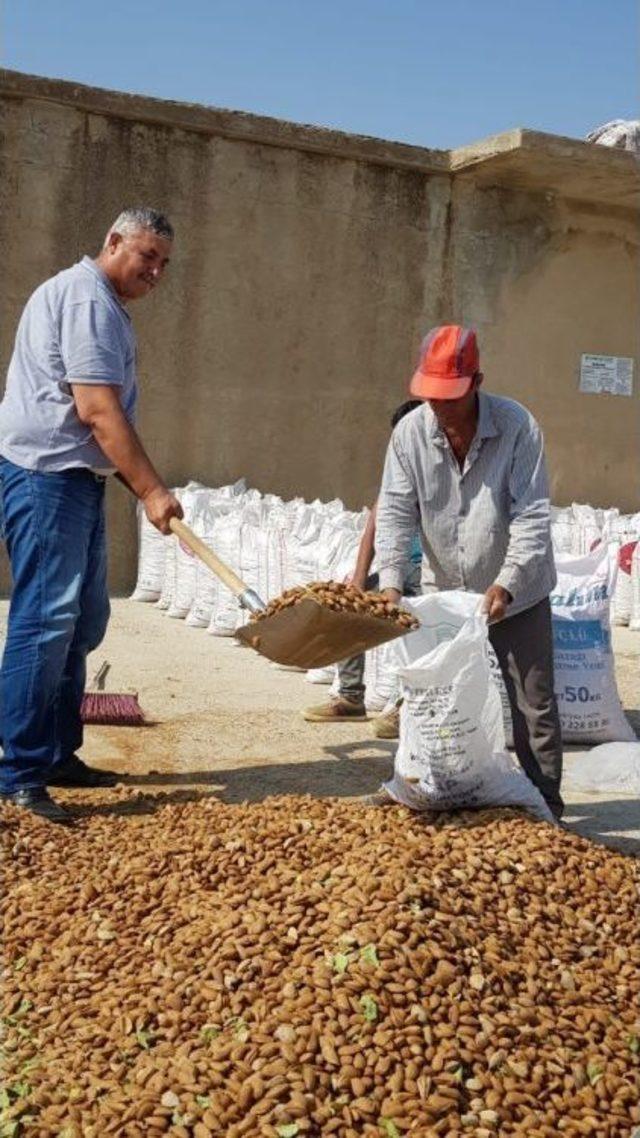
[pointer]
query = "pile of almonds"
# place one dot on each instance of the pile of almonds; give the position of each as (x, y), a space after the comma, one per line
(341, 598)
(302, 967)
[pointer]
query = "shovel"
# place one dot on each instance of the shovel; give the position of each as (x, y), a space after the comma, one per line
(306, 635)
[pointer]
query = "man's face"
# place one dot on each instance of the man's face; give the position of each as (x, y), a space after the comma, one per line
(135, 263)
(455, 413)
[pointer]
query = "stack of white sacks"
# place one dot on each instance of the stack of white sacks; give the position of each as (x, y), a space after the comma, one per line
(273, 544)
(270, 543)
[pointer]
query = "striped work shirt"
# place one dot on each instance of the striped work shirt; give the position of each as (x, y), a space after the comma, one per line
(485, 524)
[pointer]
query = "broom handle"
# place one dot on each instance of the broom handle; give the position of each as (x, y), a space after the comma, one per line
(226, 575)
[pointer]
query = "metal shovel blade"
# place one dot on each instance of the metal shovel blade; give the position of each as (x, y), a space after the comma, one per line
(310, 635)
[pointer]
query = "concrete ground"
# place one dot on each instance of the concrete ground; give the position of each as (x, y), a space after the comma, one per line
(225, 720)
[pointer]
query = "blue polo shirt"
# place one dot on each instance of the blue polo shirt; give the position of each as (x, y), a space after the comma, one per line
(73, 327)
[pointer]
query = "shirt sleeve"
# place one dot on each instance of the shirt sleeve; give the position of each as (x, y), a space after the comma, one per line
(90, 344)
(529, 546)
(397, 519)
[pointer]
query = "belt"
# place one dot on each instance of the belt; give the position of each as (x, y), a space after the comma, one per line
(84, 472)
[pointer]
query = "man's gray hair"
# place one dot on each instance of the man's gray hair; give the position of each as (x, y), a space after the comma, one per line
(141, 217)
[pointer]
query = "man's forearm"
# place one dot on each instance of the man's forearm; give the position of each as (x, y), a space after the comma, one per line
(98, 407)
(395, 527)
(119, 441)
(366, 548)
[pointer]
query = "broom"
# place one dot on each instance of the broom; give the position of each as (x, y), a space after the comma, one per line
(113, 709)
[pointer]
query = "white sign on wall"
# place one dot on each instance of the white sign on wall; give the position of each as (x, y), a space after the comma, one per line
(613, 374)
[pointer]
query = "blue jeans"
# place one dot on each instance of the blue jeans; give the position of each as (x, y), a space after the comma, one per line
(55, 534)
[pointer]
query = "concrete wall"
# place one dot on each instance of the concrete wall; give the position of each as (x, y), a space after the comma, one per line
(307, 266)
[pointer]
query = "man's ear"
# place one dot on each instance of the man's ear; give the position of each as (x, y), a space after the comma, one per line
(113, 241)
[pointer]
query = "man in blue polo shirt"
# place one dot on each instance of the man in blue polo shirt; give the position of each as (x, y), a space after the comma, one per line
(66, 422)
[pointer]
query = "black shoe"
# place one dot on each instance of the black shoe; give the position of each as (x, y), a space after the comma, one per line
(74, 772)
(37, 800)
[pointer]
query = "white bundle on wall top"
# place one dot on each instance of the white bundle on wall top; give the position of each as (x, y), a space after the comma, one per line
(623, 134)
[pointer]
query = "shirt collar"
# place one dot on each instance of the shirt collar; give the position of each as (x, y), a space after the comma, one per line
(89, 264)
(487, 426)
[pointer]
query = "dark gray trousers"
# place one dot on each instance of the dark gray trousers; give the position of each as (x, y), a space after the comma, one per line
(524, 647)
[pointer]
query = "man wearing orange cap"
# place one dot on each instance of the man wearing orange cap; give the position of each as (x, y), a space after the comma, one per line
(468, 469)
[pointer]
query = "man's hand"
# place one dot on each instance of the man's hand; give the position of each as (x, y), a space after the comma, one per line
(160, 505)
(393, 595)
(495, 603)
(358, 580)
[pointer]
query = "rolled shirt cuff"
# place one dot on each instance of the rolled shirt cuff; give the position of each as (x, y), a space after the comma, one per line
(392, 579)
(509, 578)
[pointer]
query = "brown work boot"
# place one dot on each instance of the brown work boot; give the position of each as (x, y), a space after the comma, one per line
(387, 726)
(337, 710)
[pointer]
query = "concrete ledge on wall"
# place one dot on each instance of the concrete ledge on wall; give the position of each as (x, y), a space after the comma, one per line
(548, 163)
(237, 125)
(522, 159)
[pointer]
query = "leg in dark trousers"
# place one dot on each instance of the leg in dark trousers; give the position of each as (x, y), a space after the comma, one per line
(524, 647)
(351, 671)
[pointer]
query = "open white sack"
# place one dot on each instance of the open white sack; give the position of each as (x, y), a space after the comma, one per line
(452, 751)
(441, 617)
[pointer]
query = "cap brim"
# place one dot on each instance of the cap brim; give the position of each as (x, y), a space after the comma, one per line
(436, 387)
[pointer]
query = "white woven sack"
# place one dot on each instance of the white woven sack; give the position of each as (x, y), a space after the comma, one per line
(201, 611)
(193, 500)
(634, 622)
(169, 582)
(565, 535)
(272, 558)
(341, 555)
(622, 602)
(441, 617)
(165, 600)
(206, 582)
(212, 504)
(452, 751)
(303, 549)
(585, 681)
(186, 567)
(152, 551)
(227, 614)
(589, 527)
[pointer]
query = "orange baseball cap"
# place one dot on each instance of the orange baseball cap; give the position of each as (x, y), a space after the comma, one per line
(449, 359)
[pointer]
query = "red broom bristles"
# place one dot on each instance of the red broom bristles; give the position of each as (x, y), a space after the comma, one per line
(112, 709)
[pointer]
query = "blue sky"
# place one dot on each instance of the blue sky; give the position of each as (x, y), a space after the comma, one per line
(436, 73)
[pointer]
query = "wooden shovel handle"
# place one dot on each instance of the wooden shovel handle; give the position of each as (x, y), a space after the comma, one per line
(226, 575)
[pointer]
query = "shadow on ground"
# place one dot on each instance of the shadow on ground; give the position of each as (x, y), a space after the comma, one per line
(633, 715)
(606, 822)
(349, 769)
